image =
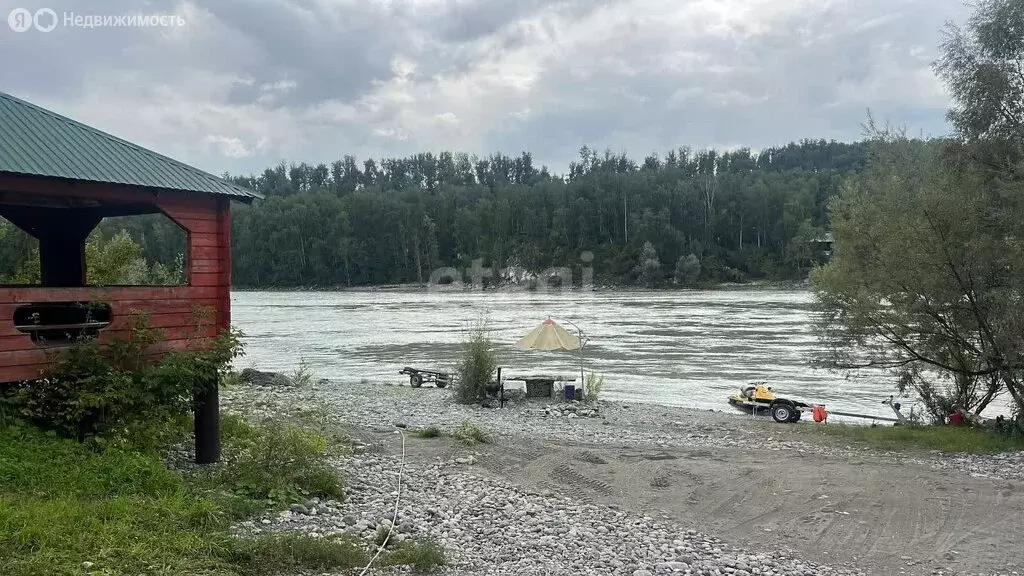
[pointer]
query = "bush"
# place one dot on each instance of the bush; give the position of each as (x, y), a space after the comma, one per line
(687, 270)
(476, 368)
(469, 433)
(90, 389)
(303, 375)
(593, 387)
(273, 464)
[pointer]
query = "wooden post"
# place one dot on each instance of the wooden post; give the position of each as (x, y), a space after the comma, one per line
(207, 425)
(207, 420)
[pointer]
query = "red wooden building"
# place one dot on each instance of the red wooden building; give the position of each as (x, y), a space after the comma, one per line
(58, 179)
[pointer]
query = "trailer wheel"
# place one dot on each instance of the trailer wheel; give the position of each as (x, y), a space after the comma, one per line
(440, 383)
(783, 412)
(416, 380)
(796, 415)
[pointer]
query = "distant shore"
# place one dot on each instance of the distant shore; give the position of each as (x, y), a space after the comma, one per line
(420, 287)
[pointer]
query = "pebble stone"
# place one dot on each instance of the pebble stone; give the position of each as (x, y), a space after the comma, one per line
(491, 527)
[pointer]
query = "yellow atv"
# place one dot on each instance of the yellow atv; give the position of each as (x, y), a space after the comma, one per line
(758, 399)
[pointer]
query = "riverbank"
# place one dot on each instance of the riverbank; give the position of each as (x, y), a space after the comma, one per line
(513, 287)
(640, 489)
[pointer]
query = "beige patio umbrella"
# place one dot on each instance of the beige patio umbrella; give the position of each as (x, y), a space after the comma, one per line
(550, 336)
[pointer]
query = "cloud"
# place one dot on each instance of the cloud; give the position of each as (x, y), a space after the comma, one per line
(242, 85)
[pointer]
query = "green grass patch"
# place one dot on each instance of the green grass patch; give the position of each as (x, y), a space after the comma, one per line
(944, 438)
(423, 556)
(469, 433)
(65, 503)
(273, 555)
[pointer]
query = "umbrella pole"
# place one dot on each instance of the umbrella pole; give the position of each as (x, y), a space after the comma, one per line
(583, 381)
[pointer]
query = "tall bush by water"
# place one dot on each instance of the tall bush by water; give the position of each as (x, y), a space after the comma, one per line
(477, 366)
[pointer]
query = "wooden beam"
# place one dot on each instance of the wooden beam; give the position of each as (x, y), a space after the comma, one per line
(43, 186)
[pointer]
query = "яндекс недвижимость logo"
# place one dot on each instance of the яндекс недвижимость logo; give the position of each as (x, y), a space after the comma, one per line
(46, 19)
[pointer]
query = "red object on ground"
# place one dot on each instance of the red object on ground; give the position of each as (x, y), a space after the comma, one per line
(956, 419)
(819, 414)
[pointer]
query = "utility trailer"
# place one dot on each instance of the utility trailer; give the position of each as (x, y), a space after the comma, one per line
(417, 376)
(758, 399)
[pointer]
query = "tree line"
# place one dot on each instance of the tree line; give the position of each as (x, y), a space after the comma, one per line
(740, 215)
(685, 217)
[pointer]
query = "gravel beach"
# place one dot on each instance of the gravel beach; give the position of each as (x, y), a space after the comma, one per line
(617, 488)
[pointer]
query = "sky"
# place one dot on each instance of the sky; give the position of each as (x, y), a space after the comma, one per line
(237, 86)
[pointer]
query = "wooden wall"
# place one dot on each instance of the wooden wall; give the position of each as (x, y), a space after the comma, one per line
(172, 309)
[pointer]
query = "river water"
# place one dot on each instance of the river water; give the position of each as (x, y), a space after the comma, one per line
(681, 348)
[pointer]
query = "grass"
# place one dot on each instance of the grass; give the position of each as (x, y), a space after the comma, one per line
(303, 376)
(423, 556)
(429, 432)
(276, 463)
(469, 433)
(592, 387)
(64, 503)
(944, 438)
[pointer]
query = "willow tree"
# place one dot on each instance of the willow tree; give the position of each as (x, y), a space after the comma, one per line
(927, 276)
(925, 279)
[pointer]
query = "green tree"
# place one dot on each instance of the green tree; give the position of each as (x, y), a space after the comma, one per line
(687, 270)
(649, 269)
(983, 67)
(920, 282)
(109, 262)
(927, 274)
(115, 261)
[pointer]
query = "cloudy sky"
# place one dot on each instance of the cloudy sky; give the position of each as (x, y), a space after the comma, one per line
(245, 84)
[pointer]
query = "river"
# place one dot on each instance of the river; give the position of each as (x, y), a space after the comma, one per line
(681, 348)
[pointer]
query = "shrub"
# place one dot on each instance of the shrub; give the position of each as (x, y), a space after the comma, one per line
(469, 433)
(90, 389)
(303, 375)
(476, 368)
(274, 463)
(593, 387)
(687, 270)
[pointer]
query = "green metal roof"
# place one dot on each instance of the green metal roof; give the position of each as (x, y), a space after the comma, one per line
(37, 142)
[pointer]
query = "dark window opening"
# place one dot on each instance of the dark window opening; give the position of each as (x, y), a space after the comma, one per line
(61, 323)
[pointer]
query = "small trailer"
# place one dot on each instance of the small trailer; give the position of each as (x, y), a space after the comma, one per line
(417, 376)
(758, 399)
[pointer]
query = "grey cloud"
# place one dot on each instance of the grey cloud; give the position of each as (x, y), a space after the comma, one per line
(795, 88)
(811, 75)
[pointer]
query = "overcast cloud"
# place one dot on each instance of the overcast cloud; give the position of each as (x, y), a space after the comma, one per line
(244, 84)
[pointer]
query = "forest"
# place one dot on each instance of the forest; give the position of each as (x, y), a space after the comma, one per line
(688, 217)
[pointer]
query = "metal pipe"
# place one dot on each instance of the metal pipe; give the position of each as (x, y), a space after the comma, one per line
(852, 415)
